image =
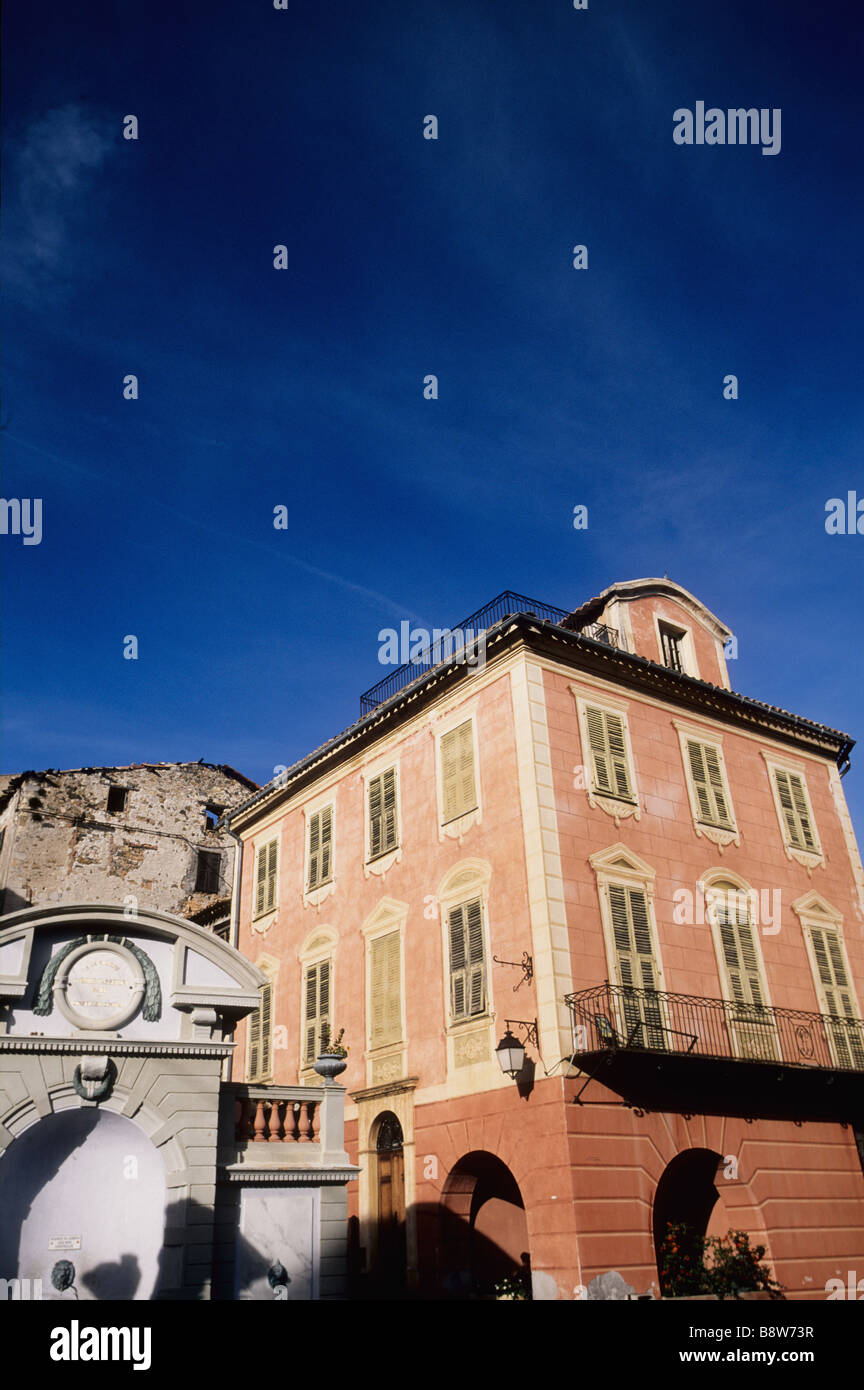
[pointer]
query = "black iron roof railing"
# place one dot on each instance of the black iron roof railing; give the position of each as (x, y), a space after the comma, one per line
(601, 632)
(446, 643)
(615, 1018)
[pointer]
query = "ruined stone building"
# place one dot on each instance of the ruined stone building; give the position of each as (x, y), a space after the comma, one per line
(144, 835)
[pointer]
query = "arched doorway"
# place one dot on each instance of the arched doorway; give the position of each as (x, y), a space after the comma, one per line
(686, 1195)
(483, 1227)
(390, 1181)
(87, 1187)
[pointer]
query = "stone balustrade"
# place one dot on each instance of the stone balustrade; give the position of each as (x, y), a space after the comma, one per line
(261, 1118)
(263, 1125)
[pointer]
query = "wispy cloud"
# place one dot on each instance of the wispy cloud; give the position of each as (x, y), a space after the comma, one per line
(52, 169)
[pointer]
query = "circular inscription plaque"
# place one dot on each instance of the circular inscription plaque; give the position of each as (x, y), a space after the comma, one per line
(100, 986)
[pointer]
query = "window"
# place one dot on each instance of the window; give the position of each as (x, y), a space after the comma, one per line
(211, 816)
(316, 1008)
(458, 783)
(608, 750)
(117, 799)
(261, 1036)
(706, 771)
(797, 821)
(636, 968)
(383, 826)
(794, 811)
(467, 961)
(836, 996)
(671, 644)
(385, 991)
(739, 951)
(320, 848)
(209, 871)
(265, 878)
(751, 1025)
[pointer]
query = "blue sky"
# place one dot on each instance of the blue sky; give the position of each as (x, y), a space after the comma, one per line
(303, 387)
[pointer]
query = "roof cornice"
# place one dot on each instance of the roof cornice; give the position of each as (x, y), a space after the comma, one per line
(561, 645)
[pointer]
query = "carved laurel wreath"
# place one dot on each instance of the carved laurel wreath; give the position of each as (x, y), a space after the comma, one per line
(152, 1010)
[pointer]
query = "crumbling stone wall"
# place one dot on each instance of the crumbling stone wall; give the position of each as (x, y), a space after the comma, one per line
(61, 844)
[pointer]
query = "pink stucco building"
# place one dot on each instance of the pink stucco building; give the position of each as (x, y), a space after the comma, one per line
(668, 872)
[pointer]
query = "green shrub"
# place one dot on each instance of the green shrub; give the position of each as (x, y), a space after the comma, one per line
(723, 1265)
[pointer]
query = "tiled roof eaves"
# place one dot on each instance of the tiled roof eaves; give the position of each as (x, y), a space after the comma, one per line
(638, 669)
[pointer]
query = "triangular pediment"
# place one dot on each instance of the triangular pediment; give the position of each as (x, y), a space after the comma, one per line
(389, 912)
(619, 859)
(813, 906)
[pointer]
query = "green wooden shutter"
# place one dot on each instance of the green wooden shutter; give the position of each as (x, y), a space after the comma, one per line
(715, 783)
(476, 964)
(253, 1064)
(637, 968)
(751, 1023)
(272, 866)
(375, 818)
(326, 843)
(261, 1036)
(317, 1007)
(707, 778)
(261, 882)
(799, 800)
(739, 952)
(320, 844)
(391, 831)
(383, 828)
(459, 792)
(458, 954)
(467, 960)
(793, 800)
(311, 1012)
(266, 865)
(266, 1014)
(608, 746)
(314, 847)
(386, 990)
(837, 996)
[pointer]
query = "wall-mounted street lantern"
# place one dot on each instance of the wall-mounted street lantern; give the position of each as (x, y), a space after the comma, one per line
(510, 1051)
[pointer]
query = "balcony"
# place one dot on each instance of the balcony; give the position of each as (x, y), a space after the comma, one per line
(601, 632)
(678, 1052)
(283, 1127)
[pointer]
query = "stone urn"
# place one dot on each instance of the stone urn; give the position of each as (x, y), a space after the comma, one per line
(330, 1065)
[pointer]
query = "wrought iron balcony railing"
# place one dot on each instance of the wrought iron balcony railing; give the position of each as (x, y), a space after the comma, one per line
(612, 1018)
(447, 643)
(601, 632)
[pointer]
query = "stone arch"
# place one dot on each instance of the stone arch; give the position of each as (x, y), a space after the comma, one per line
(735, 1142)
(90, 1183)
(685, 1195)
(483, 1225)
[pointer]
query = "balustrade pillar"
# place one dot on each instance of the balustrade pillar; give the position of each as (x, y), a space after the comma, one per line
(259, 1126)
